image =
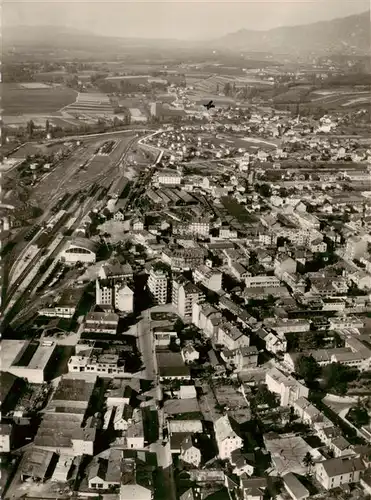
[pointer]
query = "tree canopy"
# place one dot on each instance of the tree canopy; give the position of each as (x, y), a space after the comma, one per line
(336, 377)
(308, 368)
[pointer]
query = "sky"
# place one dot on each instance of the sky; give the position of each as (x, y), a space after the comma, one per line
(186, 19)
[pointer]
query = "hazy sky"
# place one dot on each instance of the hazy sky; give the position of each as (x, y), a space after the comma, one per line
(184, 19)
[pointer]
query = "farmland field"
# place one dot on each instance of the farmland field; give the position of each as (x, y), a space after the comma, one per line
(18, 101)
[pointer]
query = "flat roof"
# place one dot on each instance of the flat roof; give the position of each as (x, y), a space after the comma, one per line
(73, 390)
(10, 350)
(287, 452)
(41, 357)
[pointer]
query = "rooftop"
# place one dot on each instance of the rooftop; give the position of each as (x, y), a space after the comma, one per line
(35, 463)
(73, 390)
(295, 486)
(342, 465)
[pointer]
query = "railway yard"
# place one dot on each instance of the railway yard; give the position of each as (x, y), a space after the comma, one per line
(66, 195)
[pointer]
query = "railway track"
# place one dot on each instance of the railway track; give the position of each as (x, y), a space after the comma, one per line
(46, 238)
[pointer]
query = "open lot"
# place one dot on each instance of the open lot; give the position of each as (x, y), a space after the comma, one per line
(18, 101)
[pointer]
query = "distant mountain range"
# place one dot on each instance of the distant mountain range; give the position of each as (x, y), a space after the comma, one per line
(348, 35)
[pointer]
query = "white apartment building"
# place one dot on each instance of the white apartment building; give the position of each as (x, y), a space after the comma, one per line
(157, 285)
(184, 295)
(101, 322)
(210, 278)
(262, 281)
(207, 318)
(124, 299)
(308, 221)
(117, 295)
(334, 472)
(226, 438)
(201, 228)
(287, 388)
(227, 233)
(356, 247)
(168, 177)
(105, 365)
(231, 337)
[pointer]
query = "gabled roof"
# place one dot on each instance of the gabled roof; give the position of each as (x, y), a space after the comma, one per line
(223, 429)
(342, 465)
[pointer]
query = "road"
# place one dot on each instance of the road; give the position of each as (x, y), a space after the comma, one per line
(146, 347)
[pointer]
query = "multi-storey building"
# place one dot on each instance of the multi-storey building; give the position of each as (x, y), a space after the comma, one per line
(116, 294)
(210, 278)
(287, 388)
(158, 285)
(262, 281)
(184, 295)
(183, 258)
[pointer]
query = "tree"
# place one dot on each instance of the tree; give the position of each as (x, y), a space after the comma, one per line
(307, 367)
(265, 190)
(116, 122)
(358, 416)
(308, 460)
(227, 89)
(30, 128)
(178, 326)
(336, 377)
(264, 396)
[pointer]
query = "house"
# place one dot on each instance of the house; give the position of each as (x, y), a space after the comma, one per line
(189, 452)
(327, 433)
(253, 488)
(105, 473)
(189, 354)
(242, 358)
(227, 439)
(337, 471)
(308, 413)
(239, 271)
(288, 388)
(137, 479)
(231, 337)
(122, 417)
(210, 278)
(135, 431)
(341, 447)
(240, 464)
(119, 393)
(283, 263)
(273, 343)
(206, 318)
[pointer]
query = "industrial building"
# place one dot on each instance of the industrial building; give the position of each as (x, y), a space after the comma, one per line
(32, 361)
